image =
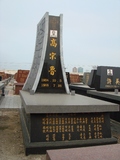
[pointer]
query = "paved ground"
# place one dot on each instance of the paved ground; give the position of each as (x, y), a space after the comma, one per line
(10, 100)
(11, 141)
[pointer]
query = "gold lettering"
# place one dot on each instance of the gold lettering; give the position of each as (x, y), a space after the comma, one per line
(53, 42)
(69, 136)
(59, 120)
(52, 70)
(47, 137)
(54, 137)
(56, 120)
(117, 82)
(109, 81)
(44, 85)
(59, 85)
(72, 129)
(53, 80)
(56, 129)
(60, 80)
(44, 80)
(89, 127)
(74, 119)
(63, 137)
(52, 56)
(63, 121)
(43, 129)
(66, 128)
(63, 129)
(90, 135)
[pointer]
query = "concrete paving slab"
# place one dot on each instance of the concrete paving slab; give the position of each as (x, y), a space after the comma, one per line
(8, 101)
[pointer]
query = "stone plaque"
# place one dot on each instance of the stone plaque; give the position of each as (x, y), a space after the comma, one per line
(67, 127)
(51, 78)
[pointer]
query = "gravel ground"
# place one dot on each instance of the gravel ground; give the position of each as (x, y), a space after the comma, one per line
(11, 140)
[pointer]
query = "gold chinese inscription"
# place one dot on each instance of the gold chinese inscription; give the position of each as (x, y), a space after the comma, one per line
(109, 81)
(52, 70)
(52, 55)
(64, 128)
(117, 82)
(53, 43)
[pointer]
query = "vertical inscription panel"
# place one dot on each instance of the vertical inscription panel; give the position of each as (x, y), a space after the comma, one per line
(51, 80)
(67, 127)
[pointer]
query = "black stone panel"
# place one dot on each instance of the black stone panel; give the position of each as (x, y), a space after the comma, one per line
(107, 78)
(92, 78)
(68, 127)
(51, 80)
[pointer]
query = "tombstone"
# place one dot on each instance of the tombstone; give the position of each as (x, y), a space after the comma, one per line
(91, 81)
(20, 77)
(51, 116)
(74, 78)
(86, 78)
(107, 78)
(3, 74)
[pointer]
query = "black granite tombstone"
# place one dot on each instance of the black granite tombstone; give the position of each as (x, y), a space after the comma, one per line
(107, 78)
(92, 78)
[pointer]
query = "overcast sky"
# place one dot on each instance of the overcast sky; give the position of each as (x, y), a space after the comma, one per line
(91, 31)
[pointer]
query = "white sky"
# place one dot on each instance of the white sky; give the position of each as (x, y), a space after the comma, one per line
(91, 31)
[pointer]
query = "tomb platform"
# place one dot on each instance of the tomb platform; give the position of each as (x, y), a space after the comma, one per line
(57, 121)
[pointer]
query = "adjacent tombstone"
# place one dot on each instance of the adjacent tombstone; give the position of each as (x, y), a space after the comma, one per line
(91, 81)
(86, 78)
(4, 75)
(107, 78)
(51, 116)
(74, 78)
(20, 77)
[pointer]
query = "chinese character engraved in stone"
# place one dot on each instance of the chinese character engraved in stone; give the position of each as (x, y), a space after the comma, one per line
(53, 43)
(117, 82)
(52, 70)
(52, 56)
(109, 81)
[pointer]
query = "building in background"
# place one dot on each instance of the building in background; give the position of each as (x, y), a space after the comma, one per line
(80, 70)
(75, 70)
